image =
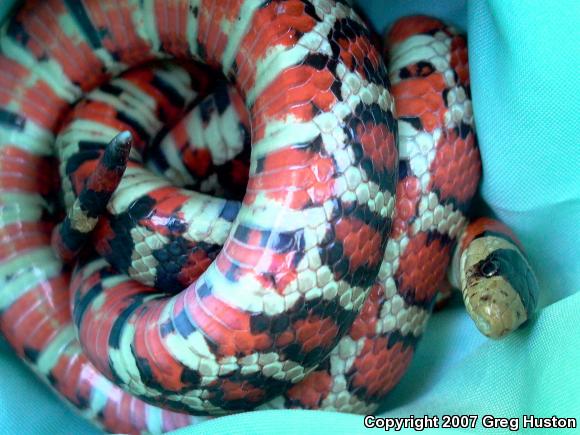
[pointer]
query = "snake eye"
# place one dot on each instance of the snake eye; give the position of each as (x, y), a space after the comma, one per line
(489, 267)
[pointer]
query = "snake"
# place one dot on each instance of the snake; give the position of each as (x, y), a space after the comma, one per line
(151, 291)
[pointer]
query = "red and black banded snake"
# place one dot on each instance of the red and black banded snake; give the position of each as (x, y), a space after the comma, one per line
(309, 288)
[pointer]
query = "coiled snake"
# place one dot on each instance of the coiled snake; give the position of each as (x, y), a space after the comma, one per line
(309, 290)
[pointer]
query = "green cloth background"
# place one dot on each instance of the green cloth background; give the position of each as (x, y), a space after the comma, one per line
(525, 67)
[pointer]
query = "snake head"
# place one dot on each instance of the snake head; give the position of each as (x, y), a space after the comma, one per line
(498, 285)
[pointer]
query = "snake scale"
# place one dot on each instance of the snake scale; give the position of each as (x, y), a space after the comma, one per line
(270, 230)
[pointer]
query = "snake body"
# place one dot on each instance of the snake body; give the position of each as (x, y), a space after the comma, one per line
(313, 290)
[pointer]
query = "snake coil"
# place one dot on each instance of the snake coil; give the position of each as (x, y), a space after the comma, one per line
(311, 287)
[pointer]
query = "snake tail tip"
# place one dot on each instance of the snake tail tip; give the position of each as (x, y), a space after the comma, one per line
(125, 137)
(121, 144)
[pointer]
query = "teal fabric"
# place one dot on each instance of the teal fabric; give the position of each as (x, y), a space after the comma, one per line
(524, 64)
